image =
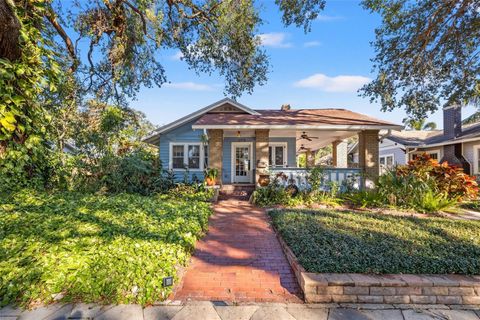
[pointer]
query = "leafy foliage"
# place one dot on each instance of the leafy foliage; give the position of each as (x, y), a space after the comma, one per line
(333, 241)
(427, 54)
(447, 179)
(423, 185)
(94, 248)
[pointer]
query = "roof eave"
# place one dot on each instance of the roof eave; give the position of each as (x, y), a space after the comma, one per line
(198, 113)
(300, 127)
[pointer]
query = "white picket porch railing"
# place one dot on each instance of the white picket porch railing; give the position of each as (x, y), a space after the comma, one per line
(344, 177)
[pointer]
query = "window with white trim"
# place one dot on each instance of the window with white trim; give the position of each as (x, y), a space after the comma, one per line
(186, 155)
(178, 156)
(387, 160)
(277, 155)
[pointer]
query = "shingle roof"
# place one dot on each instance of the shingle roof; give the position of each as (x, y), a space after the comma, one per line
(414, 138)
(307, 117)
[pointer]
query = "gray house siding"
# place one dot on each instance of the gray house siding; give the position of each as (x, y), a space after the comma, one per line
(398, 154)
(181, 134)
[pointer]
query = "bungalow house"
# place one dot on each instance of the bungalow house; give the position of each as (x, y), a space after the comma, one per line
(456, 143)
(243, 143)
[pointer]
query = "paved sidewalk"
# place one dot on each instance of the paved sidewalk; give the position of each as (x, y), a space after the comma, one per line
(274, 311)
(239, 260)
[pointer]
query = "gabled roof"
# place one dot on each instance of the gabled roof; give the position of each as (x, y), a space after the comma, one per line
(297, 118)
(153, 138)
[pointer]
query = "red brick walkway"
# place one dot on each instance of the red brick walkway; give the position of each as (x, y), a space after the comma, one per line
(239, 260)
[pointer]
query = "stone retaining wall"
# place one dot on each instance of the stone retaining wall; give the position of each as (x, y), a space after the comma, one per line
(390, 289)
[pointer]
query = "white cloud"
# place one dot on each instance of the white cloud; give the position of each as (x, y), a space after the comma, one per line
(310, 44)
(327, 18)
(342, 83)
(188, 86)
(177, 56)
(274, 39)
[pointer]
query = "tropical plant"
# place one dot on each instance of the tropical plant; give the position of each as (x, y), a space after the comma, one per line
(432, 202)
(211, 175)
(420, 124)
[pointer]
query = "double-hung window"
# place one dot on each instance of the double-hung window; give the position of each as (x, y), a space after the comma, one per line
(277, 155)
(186, 155)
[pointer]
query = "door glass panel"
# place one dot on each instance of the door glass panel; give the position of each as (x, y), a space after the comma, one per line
(279, 156)
(241, 161)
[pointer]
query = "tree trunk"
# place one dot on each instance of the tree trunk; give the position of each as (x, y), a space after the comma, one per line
(9, 32)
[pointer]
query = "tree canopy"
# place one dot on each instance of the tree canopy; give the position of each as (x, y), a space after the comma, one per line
(427, 55)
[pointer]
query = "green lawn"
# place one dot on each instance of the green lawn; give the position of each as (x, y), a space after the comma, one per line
(333, 241)
(94, 248)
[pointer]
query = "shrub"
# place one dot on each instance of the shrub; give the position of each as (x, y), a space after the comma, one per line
(423, 184)
(432, 202)
(365, 199)
(342, 241)
(96, 248)
(273, 194)
(448, 179)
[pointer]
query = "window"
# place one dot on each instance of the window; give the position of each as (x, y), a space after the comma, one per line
(194, 157)
(277, 155)
(386, 162)
(435, 154)
(178, 157)
(187, 155)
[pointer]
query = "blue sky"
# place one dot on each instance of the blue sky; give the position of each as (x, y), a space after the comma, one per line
(321, 69)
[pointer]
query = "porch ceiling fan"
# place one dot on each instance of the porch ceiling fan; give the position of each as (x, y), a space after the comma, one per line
(303, 149)
(305, 136)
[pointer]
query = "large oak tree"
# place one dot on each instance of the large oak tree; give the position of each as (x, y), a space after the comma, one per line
(427, 55)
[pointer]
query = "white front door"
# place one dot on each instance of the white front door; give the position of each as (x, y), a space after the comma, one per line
(241, 162)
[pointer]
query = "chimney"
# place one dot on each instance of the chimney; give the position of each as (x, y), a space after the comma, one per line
(452, 121)
(285, 107)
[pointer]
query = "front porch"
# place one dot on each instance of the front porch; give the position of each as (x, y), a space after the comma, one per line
(242, 156)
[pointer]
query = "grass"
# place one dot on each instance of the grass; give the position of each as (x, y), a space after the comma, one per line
(334, 241)
(94, 248)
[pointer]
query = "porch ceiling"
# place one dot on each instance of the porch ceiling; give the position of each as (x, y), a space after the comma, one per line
(324, 138)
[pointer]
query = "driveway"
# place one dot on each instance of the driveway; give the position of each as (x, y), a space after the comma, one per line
(239, 260)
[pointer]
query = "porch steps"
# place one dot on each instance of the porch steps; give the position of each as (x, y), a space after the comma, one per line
(236, 191)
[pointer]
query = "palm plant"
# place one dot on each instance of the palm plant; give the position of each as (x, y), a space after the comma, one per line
(421, 124)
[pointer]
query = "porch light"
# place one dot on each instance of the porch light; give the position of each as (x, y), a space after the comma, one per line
(167, 281)
(238, 133)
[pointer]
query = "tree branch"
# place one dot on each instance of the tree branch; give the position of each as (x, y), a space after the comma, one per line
(68, 42)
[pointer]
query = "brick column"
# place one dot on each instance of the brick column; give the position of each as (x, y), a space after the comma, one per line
(368, 155)
(261, 153)
(215, 151)
(340, 154)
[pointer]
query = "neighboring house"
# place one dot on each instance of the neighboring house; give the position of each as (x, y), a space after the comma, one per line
(243, 143)
(456, 143)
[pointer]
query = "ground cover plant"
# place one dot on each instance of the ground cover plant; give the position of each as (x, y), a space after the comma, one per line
(96, 248)
(342, 241)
